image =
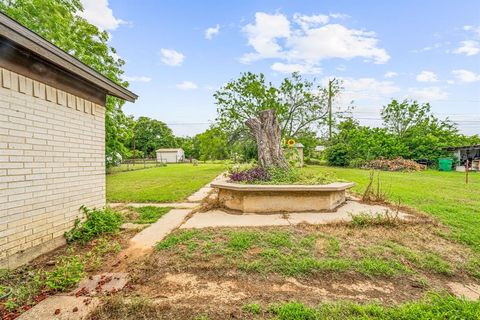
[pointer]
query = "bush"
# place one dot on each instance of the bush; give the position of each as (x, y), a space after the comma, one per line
(338, 155)
(254, 175)
(96, 222)
(275, 175)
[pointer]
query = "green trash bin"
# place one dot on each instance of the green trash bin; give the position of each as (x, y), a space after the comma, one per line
(445, 164)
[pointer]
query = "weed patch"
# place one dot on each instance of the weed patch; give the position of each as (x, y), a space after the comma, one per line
(150, 214)
(136, 308)
(254, 308)
(387, 219)
(372, 267)
(27, 282)
(97, 222)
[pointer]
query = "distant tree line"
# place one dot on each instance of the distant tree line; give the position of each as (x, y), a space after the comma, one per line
(409, 130)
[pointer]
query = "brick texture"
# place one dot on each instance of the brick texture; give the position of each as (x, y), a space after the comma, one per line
(52, 162)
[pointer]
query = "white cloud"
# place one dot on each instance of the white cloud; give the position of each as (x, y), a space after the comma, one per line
(432, 47)
(368, 88)
(338, 15)
(469, 48)
(307, 22)
(474, 29)
(212, 31)
(186, 85)
(427, 76)
(171, 57)
(390, 74)
(263, 35)
(465, 75)
(137, 78)
(98, 13)
(295, 67)
(427, 94)
(308, 40)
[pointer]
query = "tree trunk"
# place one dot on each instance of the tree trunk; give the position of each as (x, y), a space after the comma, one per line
(268, 135)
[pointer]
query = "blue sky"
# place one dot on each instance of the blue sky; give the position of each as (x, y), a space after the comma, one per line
(178, 52)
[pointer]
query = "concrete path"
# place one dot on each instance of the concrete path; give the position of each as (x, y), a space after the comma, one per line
(205, 191)
(80, 302)
(219, 218)
(147, 238)
(61, 308)
(176, 205)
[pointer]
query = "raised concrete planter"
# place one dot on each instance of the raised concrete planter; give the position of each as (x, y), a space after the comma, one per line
(253, 198)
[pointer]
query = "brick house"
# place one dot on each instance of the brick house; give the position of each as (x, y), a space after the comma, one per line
(52, 142)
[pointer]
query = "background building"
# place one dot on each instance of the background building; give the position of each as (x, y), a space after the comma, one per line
(170, 155)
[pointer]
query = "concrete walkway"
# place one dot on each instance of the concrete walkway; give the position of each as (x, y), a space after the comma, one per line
(219, 218)
(205, 191)
(78, 303)
(148, 237)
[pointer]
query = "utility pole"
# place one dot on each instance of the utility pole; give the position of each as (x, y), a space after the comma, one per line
(330, 116)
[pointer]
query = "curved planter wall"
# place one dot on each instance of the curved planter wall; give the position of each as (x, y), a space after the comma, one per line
(252, 198)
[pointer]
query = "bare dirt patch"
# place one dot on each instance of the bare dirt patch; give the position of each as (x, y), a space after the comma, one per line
(99, 255)
(183, 282)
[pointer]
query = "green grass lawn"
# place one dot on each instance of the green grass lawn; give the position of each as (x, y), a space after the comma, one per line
(442, 194)
(174, 182)
(301, 253)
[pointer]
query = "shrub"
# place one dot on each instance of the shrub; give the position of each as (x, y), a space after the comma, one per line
(338, 155)
(96, 222)
(251, 175)
(276, 175)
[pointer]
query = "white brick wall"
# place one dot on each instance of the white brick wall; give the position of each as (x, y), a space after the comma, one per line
(51, 162)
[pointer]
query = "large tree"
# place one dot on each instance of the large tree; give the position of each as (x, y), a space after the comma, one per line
(150, 135)
(402, 117)
(58, 21)
(271, 112)
(212, 144)
(419, 129)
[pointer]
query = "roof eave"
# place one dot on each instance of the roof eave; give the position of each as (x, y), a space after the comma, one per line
(31, 41)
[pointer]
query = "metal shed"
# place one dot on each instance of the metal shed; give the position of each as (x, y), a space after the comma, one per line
(467, 155)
